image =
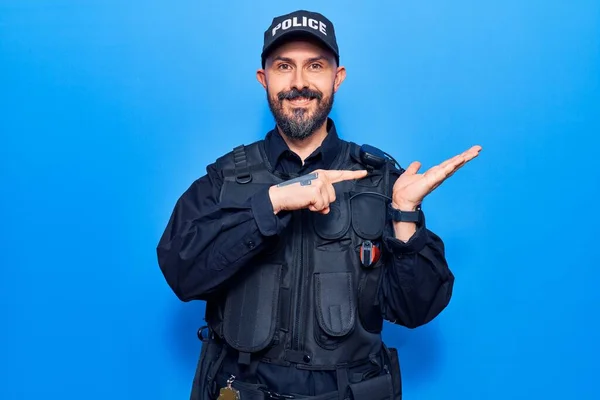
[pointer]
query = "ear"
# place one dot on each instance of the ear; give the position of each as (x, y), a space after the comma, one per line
(261, 77)
(340, 75)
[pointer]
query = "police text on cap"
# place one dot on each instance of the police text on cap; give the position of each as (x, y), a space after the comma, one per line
(293, 22)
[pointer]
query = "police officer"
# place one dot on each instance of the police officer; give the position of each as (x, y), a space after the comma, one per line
(302, 244)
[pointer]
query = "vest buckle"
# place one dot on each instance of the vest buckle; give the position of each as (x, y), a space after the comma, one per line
(244, 177)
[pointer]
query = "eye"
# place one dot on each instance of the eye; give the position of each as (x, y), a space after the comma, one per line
(284, 66)
(315, 66)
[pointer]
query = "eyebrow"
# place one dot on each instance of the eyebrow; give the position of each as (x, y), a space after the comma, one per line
(284, 59)
(289, 60)
(318, 58)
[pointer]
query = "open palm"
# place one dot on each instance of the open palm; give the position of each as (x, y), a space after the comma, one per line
(411, 187)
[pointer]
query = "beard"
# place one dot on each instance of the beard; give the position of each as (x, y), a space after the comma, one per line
(301, 124)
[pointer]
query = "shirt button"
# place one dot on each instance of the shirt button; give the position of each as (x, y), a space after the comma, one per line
(307, 358)
(251, 244)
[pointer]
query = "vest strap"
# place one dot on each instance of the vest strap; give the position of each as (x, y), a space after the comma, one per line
(242, 172)
(248, 366)
(244, 358)
(342, 382)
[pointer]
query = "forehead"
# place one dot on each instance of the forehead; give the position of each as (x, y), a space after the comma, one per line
(301, 49)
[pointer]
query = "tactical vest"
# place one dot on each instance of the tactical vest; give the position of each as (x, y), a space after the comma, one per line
(307, 300)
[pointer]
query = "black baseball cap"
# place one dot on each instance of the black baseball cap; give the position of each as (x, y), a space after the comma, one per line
(300, 23)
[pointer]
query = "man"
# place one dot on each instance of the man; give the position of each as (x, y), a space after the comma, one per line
(302, 244)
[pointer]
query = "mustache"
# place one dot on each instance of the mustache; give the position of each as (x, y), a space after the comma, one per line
(295, 93)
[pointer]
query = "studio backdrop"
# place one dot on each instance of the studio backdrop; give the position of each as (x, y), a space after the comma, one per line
(109, 110)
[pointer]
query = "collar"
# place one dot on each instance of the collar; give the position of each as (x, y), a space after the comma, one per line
(276, 147)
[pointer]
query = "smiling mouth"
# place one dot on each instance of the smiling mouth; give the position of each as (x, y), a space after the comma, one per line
(300, 101)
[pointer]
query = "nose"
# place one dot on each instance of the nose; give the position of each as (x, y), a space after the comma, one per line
(299, 80)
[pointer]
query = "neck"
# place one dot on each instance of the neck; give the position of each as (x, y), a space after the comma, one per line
(305, 147)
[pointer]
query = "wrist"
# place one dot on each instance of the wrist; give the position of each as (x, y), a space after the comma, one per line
(405, 214)
(404, 205)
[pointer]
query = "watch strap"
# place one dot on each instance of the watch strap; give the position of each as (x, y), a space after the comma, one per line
(405, 216)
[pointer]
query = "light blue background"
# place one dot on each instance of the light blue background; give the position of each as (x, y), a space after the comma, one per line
(110, 109)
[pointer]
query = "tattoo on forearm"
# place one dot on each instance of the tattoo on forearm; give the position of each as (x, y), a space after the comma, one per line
(304, 180)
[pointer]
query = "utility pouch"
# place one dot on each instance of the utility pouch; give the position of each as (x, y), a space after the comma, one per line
(251, 310)
(335, 302)
(379, 388)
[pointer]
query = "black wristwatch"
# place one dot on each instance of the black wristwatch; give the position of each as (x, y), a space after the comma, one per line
(405, 216)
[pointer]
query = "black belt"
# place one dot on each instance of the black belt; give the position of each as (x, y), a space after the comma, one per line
(378, 388)
(250, 391)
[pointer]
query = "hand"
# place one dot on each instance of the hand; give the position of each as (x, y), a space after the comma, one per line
(411, 188)
(313, 191)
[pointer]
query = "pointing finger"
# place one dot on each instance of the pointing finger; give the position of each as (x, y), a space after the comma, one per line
(344, 175)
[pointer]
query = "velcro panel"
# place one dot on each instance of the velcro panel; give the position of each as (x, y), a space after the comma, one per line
(335, 302)
(251, 309)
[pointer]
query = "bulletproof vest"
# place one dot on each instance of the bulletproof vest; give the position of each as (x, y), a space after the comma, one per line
(307, 299)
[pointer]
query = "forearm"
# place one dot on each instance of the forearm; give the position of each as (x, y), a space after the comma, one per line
(199, 252)
(417, 283)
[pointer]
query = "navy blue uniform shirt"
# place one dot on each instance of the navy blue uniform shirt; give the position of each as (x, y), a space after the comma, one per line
(203, 233)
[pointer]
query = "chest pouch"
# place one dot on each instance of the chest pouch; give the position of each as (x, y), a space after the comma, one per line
(251, 310)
